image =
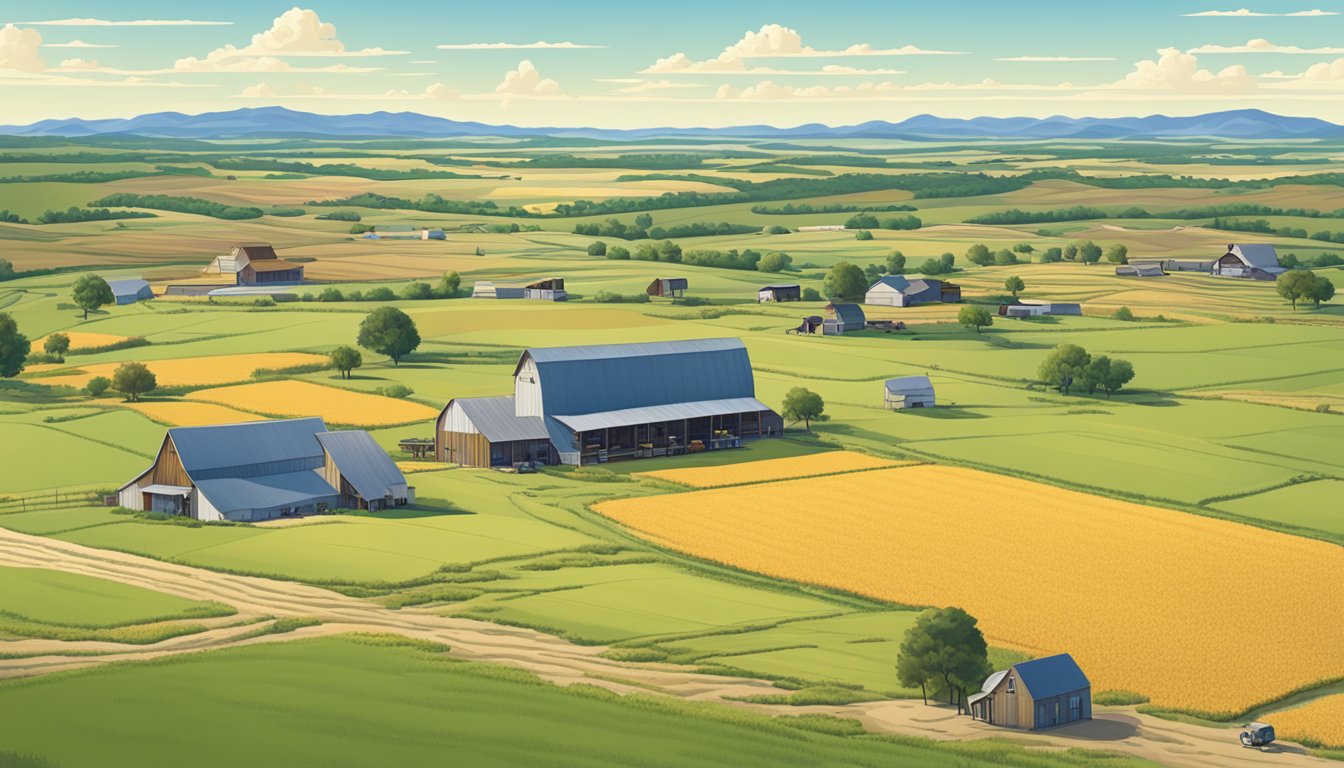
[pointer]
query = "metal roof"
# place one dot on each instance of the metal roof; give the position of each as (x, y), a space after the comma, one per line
(497, 419)
(362, 462)
(910, 385)
(898, 282)
(613, 377)
(225, 446)
(1051, 676)
(848, 313)
(790, 287)
(127, 287)
(673, 283)
(993, 680)
(1259, 255)
(291, 489)
(671, 412)
(167, 490)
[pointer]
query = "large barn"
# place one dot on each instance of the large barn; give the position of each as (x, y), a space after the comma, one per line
(255, 264)
(130, 291)
(1255, 262)
(1036, 694)
(901, 291)
(592, 404)
(265, 469)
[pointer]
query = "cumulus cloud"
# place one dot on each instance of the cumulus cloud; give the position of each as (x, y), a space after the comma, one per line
(512, 46)
(1057, 59)
(296, 32)
(80, 64)
(1326, 75)
(527, 81)
(1246, 12)
(258, 91)
(1180, 72)
(76, 44)
(1261, 45)
(18, 49)
(86, 22)
(774, 41)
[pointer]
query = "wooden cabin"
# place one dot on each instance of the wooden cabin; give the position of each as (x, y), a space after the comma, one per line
(668, 287)
(1034, 695)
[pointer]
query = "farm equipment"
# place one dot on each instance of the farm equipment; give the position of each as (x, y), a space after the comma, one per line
(1257, 735)
(810, 324)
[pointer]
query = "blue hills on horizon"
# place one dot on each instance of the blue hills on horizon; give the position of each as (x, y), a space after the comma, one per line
(275, 122)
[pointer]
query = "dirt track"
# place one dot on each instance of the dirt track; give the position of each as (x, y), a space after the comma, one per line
(555, 659)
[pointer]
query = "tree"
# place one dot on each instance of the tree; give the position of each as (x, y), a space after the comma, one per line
(1064, 364)
(331, 294)
(669, 251)
(863, 234)
(6, 269)
(417, 291)
(389, 331)
(57, 344)
(873, 272)
(1014, 284)
(91, 292)
(644, 221)
(618, 252)
(777, 261)
(1120, 373)
(1321, 289)
(979, 254)
(98, 386)
(811, 294)
(862, 221)
(1093, 376)
(381, 293)
(1070, 252)
(895, 263)
(1052, 255)
(449, 285)
(1123, 313)
(803, 405)
(134, 380)
(944, 645)
(845, 281)
(973, 316)
(1023, 248)
(597, 248)
(1294, 284)
(1117, 254)
(346, 359)
(646, 252)
(1004, 257)
(14, 347)
(1089, 252)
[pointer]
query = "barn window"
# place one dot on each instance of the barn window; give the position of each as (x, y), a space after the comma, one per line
(1011, 689)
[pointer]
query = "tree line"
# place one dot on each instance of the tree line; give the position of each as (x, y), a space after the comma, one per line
(192, 205)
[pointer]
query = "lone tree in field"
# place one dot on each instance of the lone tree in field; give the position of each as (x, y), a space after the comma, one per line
(345, 360)
(14, 347)
(944, 647)
(1089, 252)
(1294, 284)
(1063, 366)
(1321, 289)
(56, 345)
(91, 292)
(1014, 284)
(775, 261)
(975, 317)
(389, 331)
(845, 281)
(134, 380)
(803, 405)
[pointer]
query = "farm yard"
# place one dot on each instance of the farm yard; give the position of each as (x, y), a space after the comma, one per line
(1130, 530)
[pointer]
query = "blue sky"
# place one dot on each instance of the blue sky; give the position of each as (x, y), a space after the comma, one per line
(689, 63)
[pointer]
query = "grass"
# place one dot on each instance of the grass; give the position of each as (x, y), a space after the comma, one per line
(71, 600)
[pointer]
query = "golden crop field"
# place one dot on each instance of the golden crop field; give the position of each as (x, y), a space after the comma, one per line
(85, 340)
(301, 398)
(1195, 612)
(192, 371)
(1320, 721)
(180, 413)
(829, 463)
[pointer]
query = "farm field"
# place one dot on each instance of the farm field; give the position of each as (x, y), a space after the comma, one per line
(301, 398)
(833, 462)
(67, 599)
(1316, 722)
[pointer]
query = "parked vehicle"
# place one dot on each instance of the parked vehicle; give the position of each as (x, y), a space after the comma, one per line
(1257, 735)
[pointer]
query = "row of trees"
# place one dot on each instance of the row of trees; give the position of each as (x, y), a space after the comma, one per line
(869, 221)
(643, 229)
(449, 286)
(672, 253)
(1069, 365)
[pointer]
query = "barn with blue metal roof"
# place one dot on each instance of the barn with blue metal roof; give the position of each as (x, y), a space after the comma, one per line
(591, 404)
(1036, 694)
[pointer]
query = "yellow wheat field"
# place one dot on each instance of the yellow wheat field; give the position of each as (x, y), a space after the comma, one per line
(85, 340)
(1195, 612)
(1320, 721)
(193, 371)
(766, 470)
(301, 398)
(180, 413)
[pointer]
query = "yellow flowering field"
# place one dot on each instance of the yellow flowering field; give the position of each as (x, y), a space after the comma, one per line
(193, 371)
(1320, 721)
(827, 463)
(302, 398)
(1197, 613)
(180, 413)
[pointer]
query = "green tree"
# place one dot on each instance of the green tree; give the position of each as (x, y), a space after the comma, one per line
(979, 254)
(389, 331)
(1293, 285)
(597, 248)
(1014, 284)
(1123, 313)
(944, 646)
(1117, 254)
(895, 263)
(669, 251)
(777, 261)
(417, 291)
(1070, 252)
(1052, 255)
(1023, 248)
(845, 281)
(449, 285)
(91, 292)
(57, 344)
(1089, 252)
(646, 252)
(811, 294)
(14, 347)
(1063, 365)
(1093, 376)
(873, 273)
(863, 234)
(134, 380)
(644, 221)
(345, 359)
(98, 386)
(1321, 289)
(974, 316)
(1004, 257)
(803, 405)
(618, 253)
(381, 293)
(6, 270)
(1120, 373)
(331, 294)
(862, 221)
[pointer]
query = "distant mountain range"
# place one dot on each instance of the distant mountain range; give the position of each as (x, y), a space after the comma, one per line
(276, 122)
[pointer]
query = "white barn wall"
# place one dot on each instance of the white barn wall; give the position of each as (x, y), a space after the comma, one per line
(527, 390)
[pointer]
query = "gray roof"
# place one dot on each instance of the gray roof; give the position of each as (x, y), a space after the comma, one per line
(848, 313)
(206, 451)
(655, 413)
(497, 419)
(898, 282)
(289, 489)
(362, 462)
(1260, 255)
(614, 377)
(993, 680)
(674, 282)
(1051, 676)
(910, 385)
(127, 287)
(792, 286)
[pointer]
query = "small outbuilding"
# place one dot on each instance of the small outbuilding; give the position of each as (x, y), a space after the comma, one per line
(843, 318)
(908, 392)
(901, 291)
(779, 293)
(668, 287)
(1038, 308)
(1250, 261)
(130, 291)
(1141, 269)
(550, 289)
(1036, 694)
(253, 264)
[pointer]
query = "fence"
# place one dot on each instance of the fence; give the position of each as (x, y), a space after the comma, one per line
(48, 501)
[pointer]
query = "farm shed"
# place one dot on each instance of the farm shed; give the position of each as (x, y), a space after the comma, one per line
(1255, 262)
(779, 293)
(900, 291)
(843, 318)
(550, 289)
(263, 470)
(1038, 308)
(484, 289)
(405, 232)
(130, 291)
(592, 404)
(1036, 694)
(255, 263)
(668, 287)
(908, 392)
(1141, 269)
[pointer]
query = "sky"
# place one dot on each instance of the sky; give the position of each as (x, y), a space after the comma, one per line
(688, 63)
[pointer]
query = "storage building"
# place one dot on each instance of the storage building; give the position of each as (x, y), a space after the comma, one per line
(908, 392)
(779, 293)
(1254, 262)
(668, 287)
(1036, 694)
(1038, 308)
(1141, 269)
(253, 264)
(130, 291)
(901, 291)
(843, 318)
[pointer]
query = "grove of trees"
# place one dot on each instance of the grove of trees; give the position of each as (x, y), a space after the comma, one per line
(944, 648)
(1069, 365)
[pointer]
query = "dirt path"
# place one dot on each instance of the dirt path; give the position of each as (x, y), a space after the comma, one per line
(552, 658)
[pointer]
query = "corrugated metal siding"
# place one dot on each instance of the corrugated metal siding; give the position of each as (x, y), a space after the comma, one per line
(658, 413)
(497, 419)
(292, 489)
(527, 389)
(231, 446)
(363, 463)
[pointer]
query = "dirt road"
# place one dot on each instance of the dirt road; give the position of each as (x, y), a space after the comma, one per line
(555, 659)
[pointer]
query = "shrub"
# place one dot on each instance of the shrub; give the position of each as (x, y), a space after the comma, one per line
(863, 234)
(381, 293)
(399, 391)
(1123, 313)
(417, 291)
(1323, 408)
(811, 294)
(338, 216)
(597, 248)
(618, 252)
(776, 229)
(98, 386)
(331, 294)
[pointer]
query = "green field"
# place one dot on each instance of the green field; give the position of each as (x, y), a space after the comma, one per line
(71, 600)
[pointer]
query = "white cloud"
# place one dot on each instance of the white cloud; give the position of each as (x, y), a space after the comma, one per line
(76, 44)
(768, 90)
(1057, 59)
(85, 22)
(1247, 13)
(255, 64)
(296, 32)
(645, 86)
(435, 92)
(1261, 45)
(424, 61)
(18, 49)
(774, 41)
(258, 91)
(527, 81)
(80, 64)
(1326, 75)
(1180, 72)
(512, 46)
